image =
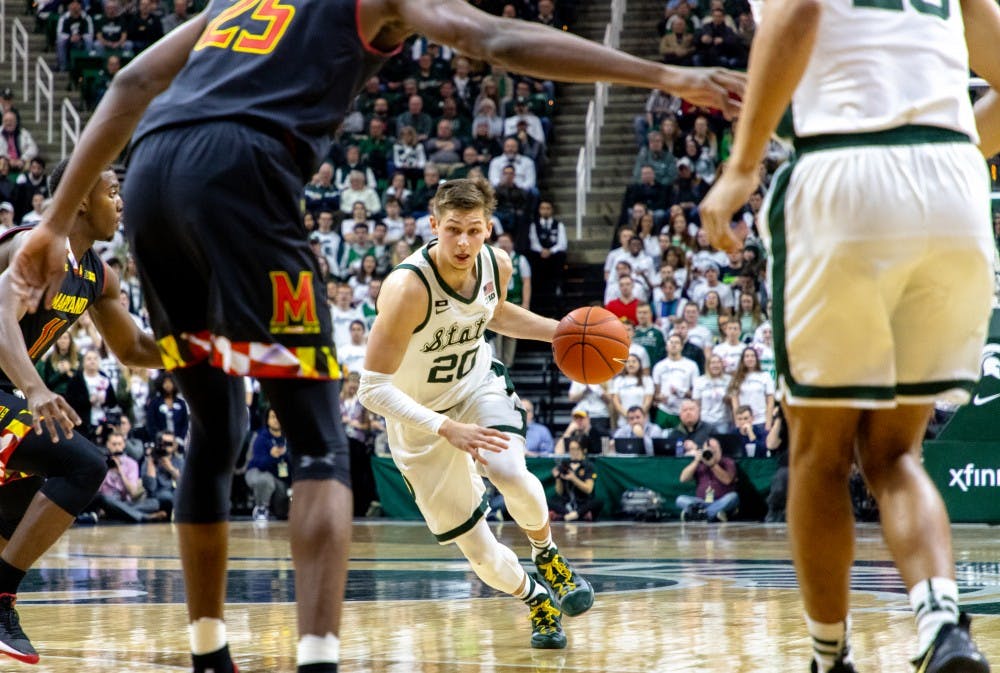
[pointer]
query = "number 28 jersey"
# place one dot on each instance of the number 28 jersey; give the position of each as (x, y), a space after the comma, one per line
(881, 64)
(448, 357)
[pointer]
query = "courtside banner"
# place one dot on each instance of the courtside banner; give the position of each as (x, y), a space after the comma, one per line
(968, 476)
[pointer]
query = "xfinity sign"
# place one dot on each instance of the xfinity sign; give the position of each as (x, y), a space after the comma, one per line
(971, 476)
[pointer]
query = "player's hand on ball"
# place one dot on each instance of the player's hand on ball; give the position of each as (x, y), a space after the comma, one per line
(473, 438)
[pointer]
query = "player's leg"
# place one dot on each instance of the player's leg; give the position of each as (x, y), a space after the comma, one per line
(218, 423)
(321, 510)
(75, 469)
(498, 567)
(525, 499)
(821, 524)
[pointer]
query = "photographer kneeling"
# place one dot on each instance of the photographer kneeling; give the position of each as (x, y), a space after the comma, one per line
(161, 470)
(715, 497)
(574, 486)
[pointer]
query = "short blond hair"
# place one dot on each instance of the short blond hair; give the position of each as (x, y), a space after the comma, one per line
(464, 195)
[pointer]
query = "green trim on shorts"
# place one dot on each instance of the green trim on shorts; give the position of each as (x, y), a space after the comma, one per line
(779, 253)
(522, 431)
(911, 134)
(933, 387)
(500, 369)
(468, 524)
(420, 275)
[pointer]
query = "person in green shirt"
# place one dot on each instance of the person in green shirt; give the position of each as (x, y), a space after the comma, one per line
(649, 335)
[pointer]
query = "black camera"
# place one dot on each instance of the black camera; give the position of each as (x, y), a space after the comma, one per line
(563, 467)
(707, 455)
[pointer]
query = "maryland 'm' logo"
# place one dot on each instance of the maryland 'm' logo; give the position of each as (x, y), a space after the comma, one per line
(293, 308)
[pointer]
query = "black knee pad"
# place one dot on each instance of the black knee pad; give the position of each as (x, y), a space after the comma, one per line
(309, 412)
(73, 468)
(218, 426)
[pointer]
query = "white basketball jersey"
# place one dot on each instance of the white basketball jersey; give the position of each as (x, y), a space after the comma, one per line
(881, 64)
(448, 357)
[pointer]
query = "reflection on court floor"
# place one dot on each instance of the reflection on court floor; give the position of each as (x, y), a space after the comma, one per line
(670, 598)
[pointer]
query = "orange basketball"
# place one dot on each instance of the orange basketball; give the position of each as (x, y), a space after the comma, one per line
(590, 345)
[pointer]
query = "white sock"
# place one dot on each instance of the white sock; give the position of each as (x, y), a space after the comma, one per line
(539, 546)
(530, 590)
(830, 642)
(207, 635)
(316, 650)
(935, 603)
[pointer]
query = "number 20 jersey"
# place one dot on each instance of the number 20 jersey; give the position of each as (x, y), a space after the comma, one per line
(881, 64)
(288, 67)
(448, 356)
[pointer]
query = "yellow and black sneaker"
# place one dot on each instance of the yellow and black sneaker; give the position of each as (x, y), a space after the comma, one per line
(546, 624)
(953, 651)
(572, 593)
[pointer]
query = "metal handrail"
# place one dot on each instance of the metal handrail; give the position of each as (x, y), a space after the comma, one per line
(19, 52)
(69, 126)
(3, 32)
(44, 88)
(594, 121)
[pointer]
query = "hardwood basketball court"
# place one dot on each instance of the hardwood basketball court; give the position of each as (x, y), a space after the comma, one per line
(671, 597)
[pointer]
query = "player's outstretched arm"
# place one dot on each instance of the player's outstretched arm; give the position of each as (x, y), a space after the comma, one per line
(776, 66)
(402, 307)
(540, 51)
(982, 33)
(38, 268)
(48, 409)
(131, 345)
(512, 320)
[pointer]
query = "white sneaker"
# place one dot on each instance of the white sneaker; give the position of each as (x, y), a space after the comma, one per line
(260, 514)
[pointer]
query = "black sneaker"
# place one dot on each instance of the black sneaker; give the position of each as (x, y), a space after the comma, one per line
(546, 623)
(953, 651)
(13, 642)
(572, 593)
(840, 666)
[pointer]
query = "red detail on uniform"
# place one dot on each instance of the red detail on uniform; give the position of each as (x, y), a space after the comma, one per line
(248, 358)
(297, 304)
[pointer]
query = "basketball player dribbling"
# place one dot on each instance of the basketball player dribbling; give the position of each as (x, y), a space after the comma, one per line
(882, 281)
(450, 408)
(250, 92)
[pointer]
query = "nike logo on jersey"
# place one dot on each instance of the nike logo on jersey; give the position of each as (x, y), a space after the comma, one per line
(440, 306)
(980, 401)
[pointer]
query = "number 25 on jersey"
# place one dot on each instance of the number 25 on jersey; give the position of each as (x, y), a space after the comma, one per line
(258, 34)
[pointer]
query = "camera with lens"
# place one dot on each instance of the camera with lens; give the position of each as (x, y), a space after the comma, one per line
(563, 467)
(707, 455)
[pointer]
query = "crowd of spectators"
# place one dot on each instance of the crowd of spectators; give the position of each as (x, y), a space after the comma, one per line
(701, 362)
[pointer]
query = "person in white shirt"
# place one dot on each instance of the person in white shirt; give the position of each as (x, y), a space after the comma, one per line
(521, 113)
(34, 215)
(6, 216)
(710, 391)
(343, 314)
(753, 388)
(730, 350)
(673, 378)
(547, 238)
(710, 283)
(631, 388)
(697, 334)
(595, 400)
(524, 168)
(352, 354)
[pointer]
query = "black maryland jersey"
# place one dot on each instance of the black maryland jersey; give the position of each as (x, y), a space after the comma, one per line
(78, 291)
(288, 67)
